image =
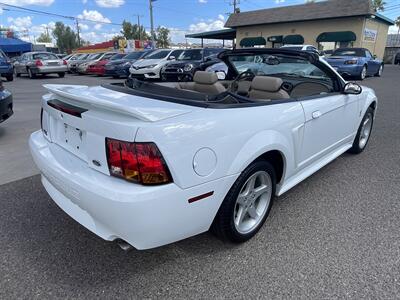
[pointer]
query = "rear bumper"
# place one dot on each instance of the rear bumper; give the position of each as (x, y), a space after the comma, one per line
(348, 70)
(112, 208)
(123, 72)
(49, 69)
(6, 106)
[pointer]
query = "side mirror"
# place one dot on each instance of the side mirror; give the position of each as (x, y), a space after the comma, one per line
(208, 58)
(374, 56)
(352, 88)
(171, 57)
(221, 75)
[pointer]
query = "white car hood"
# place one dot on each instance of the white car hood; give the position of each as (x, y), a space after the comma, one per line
(147, 62)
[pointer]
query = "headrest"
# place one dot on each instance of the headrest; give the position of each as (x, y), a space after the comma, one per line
(203, 77)
(266, 83)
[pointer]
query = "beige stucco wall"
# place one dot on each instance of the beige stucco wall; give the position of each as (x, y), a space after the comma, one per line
(311, 29)
(377, 47)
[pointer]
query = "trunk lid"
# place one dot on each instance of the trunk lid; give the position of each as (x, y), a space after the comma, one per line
(80, 118)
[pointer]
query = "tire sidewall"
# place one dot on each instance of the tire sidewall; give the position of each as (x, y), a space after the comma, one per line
(225, 216)
(356, 144)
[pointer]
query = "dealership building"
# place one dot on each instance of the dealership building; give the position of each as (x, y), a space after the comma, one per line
(327, 25)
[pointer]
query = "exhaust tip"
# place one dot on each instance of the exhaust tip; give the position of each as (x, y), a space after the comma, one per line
(124, 245)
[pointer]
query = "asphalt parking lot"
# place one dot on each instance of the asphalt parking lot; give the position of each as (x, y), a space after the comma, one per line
(335, 235)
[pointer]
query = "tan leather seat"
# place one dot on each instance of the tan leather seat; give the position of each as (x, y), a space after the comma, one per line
(266, 88)
(207, 83)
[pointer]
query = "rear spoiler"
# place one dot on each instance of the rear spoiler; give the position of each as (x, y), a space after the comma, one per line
(145, 109)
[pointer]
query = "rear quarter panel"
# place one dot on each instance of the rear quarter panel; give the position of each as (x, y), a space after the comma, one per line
(237, 136)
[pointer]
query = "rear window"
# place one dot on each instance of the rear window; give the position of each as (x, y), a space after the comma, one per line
(44, 56)
(159, 54)
(349, 52)
(94, 56)
(293, 47)
(118, 56)
(134, 55)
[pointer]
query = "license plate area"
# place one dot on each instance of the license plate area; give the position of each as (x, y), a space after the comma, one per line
(72, 139)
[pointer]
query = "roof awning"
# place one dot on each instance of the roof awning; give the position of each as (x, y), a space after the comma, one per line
(338, 36)
(223, 34)
(296, 39)
(275, 39)
(253, 41)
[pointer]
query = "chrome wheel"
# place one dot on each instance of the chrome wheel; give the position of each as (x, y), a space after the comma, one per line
(365, 131)
(253, 202)
(363, 73)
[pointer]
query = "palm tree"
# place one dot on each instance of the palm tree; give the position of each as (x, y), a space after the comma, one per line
(378, 5)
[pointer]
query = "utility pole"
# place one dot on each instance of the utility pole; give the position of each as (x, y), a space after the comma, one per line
(151, 19)
(138, 25)
(77, 32)
(235, 4)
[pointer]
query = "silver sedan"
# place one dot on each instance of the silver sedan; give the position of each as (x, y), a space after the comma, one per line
(34, 63)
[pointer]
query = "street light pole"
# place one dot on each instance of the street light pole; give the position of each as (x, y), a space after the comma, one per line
(151, 19)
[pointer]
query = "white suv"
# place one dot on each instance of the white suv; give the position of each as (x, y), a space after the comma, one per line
(151, 66)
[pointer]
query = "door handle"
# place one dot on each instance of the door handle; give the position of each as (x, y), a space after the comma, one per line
(316, 114)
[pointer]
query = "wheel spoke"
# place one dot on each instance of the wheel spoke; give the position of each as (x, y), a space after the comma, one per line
(240, 215)
(241, 200)
(260, 190)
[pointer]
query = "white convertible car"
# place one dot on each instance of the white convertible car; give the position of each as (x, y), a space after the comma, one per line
(149, 164)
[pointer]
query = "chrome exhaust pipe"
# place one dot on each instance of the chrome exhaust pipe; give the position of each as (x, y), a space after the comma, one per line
(124, 245)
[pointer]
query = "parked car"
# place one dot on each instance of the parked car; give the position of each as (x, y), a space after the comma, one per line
(189, 62)
(83, 68)
(120, 67)
(6, 103)
(309, 48)
(150, 67)
(356, 62)
(35, 63)
(6, 67)
(153, 163)
(81, 58)
(98, 67)
(397, 59)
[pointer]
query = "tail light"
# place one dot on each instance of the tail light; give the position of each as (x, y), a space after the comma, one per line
(137, 162)
(38, 63)
(64, 62)
(351, 62)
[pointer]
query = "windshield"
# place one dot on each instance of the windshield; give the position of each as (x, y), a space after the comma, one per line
(134, 55)
(293, 47)
(159, 54)
(284, 65)
(349, 52)
(195, 54)
(45, 56)
(94, 56)
(117, 56)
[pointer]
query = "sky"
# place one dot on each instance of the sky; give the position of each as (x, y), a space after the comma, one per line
(180, 16)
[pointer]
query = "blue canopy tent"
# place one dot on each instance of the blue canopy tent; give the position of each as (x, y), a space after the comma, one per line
(14, 46)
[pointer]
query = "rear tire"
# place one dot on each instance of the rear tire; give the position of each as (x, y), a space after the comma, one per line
(247, 204)
(61, 74)
(363, 133)
(30, 74)
(380, 71)
(363, 73)
(10, 77)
